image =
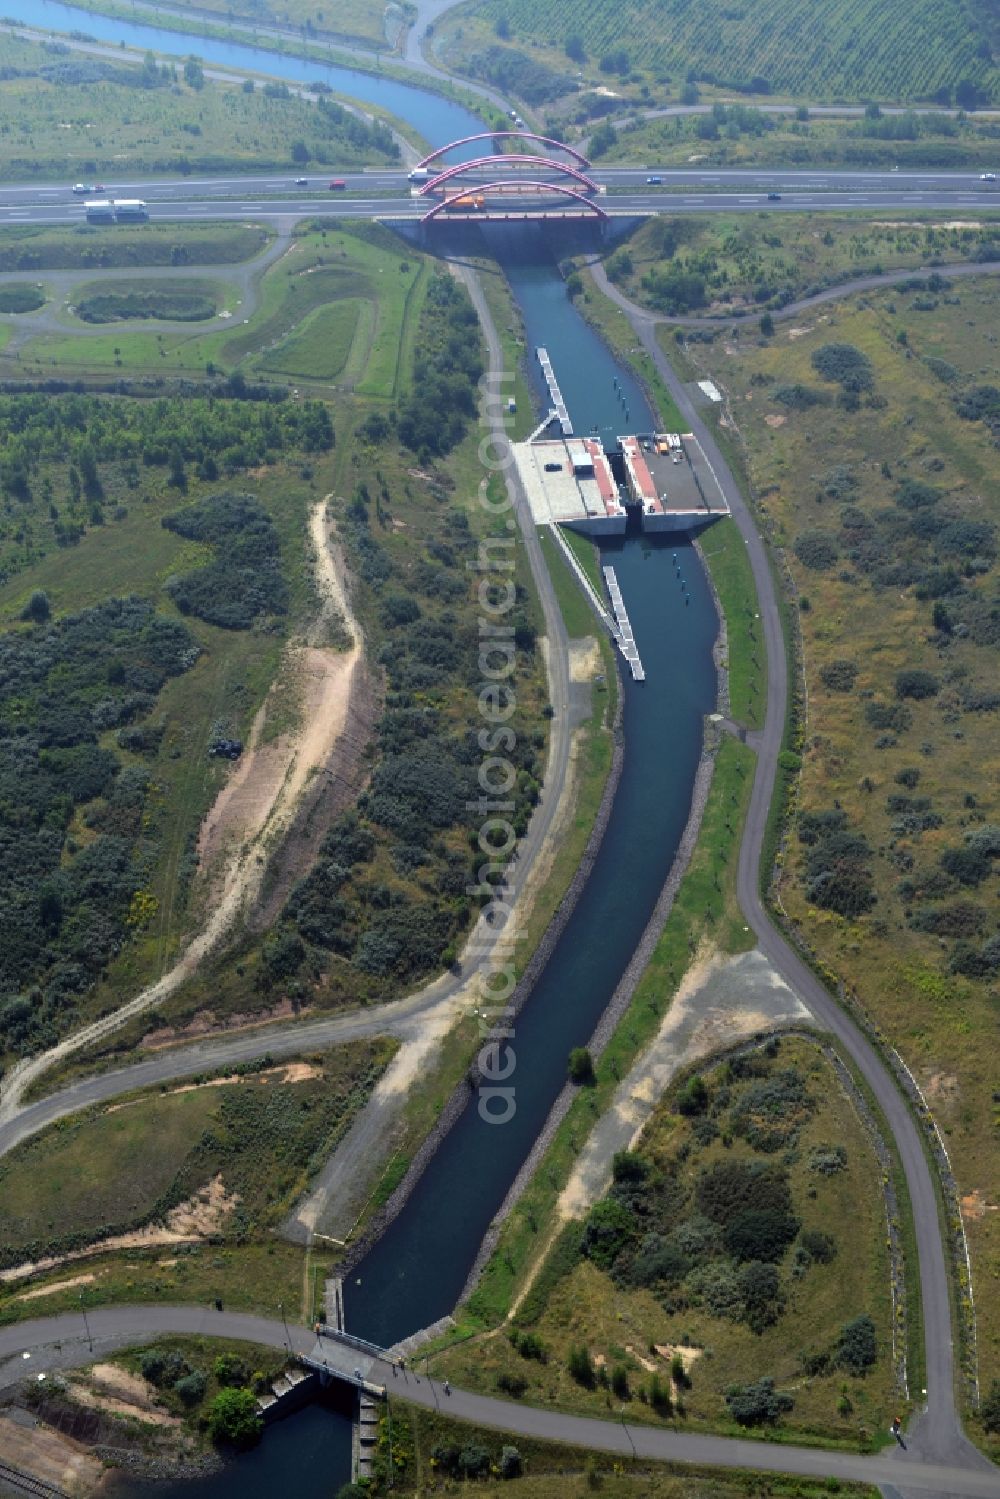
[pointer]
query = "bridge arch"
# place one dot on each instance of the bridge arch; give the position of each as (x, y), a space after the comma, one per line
(501, 162)
(491, 187)
(492, 135)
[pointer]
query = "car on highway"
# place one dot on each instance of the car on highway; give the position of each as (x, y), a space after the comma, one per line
(337, 185)
(654, 181)
(774, 197)
(987, 176)
(81, 187)
(302, 182)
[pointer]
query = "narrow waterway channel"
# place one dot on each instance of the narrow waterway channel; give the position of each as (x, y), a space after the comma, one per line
(417, 1270)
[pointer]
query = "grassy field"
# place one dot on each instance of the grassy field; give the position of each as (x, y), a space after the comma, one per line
(906, 934)
(649, 50)
(738, 135)
(559, 1471)
(110, 1170)
(620, 1316)
(724, 261)
(321, 346)
(65, 115)
(38, 248)
(338, 276)
(355, 20)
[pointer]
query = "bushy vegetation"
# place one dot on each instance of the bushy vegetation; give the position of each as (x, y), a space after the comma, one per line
(838, 864)
(513, 73)
(435, 416)
(35, 247)
(243, 581)
(66, 902)
(21, 297)
(715, 1237)
(387, 921)
(176, 306)
(758, 1404)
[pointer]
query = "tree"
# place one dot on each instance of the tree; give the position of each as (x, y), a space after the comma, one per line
(38, 608)
(502, 28)
(694, 1096)
(193, 75)
(580, 1367)
(581, 1065)
(857, 1348)
(233, 1417)
(767, 325)
(989, 1411)
(300, 153)
(574, 47)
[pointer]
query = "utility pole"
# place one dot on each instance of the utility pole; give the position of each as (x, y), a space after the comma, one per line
(288, 1336)
(90, 1341)
(629, 1435)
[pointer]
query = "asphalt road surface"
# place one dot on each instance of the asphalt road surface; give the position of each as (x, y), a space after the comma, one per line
(937, 1431)
(64, 1342)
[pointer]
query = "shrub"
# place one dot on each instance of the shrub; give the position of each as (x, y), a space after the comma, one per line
(817, 550)
(580, 1065)
(760, 1234)
(799, 397)
(473, 1461)
(510, 1462)
(839, 675)
(511, 1384)
(827, 1159)
(760, 1287)
(893, 716)
(857, 1348)
(989, 1410)
(844, 364)
(693, 1098)
(619, 1381)
(580, 1367)
(757, 1404)
(730, 1187)
(917, 684)
(191, 1387)
(818, 1245)
(610, 1228)
(969, 865)
(233, 1417)
(628, 1166)
(38, 608)
(838, 874)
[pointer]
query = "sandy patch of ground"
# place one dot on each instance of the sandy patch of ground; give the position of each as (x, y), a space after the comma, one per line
(775, 421)
(584, 659)
(107, 1387)
(56, 1285)
(721, 1001)
(326, 679)
(689, 1356)
(940, 1088)
(206, 1023)
(47, 1455)
(291, 1072)
(201, 1215)
(975, 1206)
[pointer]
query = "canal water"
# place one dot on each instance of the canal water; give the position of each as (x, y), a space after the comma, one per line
(417, 1270)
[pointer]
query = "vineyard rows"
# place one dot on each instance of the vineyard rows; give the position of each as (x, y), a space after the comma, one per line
(884, 49)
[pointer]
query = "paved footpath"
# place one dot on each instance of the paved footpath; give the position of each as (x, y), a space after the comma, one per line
(62, 1342)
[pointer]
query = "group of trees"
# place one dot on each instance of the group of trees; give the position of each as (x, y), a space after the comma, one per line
(243, 581)
(715, 1237)
(434, 417)
(217, 436)
(64, 908)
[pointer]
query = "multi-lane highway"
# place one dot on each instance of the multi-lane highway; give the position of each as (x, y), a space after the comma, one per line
(623, 190)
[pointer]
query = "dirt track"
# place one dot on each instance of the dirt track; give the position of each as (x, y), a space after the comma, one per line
(252, 813)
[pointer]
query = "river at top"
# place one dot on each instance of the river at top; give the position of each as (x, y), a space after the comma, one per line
(416, 1272)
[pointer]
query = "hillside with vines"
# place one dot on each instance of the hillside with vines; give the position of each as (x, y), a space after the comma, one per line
(849, 49)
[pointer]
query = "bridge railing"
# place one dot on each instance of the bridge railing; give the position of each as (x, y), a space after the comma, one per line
(361, 1344)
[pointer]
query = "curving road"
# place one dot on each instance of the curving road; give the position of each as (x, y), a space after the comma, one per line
(55, 1343)
(937, 1432)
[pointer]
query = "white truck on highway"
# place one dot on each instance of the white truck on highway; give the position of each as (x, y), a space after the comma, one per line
(116, 211)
